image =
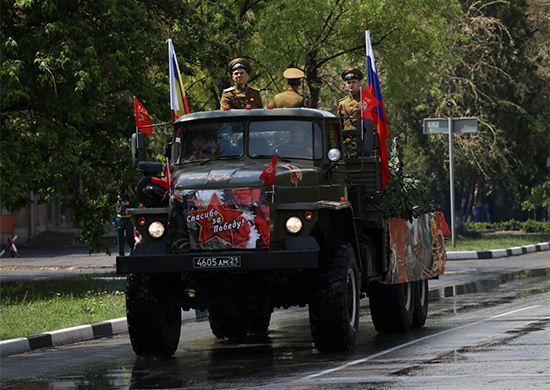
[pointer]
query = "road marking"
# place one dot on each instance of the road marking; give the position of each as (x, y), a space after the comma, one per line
(514, 311)
(398, 347)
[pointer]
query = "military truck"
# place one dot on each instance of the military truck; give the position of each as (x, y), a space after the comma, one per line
(263, 209)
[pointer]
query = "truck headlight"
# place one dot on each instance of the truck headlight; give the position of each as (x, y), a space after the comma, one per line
(293, 225)
(156, 229)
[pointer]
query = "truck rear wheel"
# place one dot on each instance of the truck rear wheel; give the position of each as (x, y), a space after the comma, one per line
(391, 306)
(259, 324)
(226, 325)
(334, 308)
(420, 303)
(154, 317)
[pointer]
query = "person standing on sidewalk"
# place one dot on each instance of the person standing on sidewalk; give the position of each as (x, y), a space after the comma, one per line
(124, 226)
(479, 208)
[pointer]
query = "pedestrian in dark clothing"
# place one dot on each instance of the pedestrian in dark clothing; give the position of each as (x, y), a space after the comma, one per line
(479, 208)
(489, 203)
(124, 226)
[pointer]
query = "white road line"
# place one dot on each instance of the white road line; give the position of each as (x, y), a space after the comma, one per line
(398, 347)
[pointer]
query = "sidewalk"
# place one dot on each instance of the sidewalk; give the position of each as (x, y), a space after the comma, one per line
(42, 263)
(466, 272)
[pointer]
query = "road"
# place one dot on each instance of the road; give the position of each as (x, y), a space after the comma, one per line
(495, 338)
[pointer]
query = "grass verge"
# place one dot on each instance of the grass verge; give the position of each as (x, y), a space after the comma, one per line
(33, 307)
(487, 242)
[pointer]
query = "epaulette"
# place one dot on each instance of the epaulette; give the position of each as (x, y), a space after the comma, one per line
(254, 89)
(344, 98)
(230, 89)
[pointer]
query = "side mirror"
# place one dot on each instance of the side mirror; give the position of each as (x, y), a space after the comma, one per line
(365, 127)
(138, 148)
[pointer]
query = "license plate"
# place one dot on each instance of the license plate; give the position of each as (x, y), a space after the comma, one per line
(217, 262)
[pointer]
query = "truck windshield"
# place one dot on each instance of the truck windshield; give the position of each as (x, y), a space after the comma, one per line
(290, 138)
(204, 141)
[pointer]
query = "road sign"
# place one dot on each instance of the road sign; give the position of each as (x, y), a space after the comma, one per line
(441, 126)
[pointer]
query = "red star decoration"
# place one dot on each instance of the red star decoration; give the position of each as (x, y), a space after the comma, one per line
(220, 217)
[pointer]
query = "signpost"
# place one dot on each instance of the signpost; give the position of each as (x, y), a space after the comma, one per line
(450, 126)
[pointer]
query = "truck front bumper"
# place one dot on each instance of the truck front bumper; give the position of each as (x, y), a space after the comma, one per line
(153, 258)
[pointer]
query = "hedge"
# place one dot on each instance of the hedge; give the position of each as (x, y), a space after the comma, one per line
(528, 226)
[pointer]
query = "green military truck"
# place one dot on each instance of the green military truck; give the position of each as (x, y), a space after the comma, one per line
(230, 228)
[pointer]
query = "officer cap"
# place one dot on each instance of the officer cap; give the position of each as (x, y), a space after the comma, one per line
(352, 74)
(239, 63)
(293, 75)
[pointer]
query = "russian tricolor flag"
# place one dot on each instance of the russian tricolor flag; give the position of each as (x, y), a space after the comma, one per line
(178, 100)
(382, 125)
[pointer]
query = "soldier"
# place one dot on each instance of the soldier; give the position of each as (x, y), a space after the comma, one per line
(241, 95)
(350, 106)
(291, 98)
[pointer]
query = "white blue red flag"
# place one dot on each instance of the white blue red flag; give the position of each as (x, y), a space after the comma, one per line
(178, 100)
(382, 125)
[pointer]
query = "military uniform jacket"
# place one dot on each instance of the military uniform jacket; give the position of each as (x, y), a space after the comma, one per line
(235, 97)
(290, 99)
(350, 106)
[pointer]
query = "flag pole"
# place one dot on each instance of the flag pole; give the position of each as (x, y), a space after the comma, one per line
(137, 128)
(172, 113)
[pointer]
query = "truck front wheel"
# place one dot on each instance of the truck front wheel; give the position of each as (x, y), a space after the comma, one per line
(153, 315)
(334, 308)
(391, 306)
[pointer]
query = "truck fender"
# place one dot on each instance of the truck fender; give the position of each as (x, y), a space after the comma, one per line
(339, 225)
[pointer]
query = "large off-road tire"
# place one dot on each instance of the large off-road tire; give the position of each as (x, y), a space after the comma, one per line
(154, 317)
(420, 313)
(391, 306)
(334, 308)
(225, 325)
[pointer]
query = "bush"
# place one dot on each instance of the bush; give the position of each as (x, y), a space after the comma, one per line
(528, 226)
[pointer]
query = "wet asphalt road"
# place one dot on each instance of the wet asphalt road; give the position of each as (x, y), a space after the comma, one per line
(496, 338)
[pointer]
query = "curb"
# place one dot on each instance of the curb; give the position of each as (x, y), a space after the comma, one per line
(494, 254)
(119, 325)
(71, 335)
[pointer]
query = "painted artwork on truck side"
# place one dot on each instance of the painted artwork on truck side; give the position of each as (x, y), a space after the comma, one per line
(417, 248)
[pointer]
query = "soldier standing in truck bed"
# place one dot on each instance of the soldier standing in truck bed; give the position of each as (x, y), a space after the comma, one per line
(291, 97)
(350, 106)
(241, 95)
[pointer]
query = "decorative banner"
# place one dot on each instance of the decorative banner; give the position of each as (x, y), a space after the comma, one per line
(232, 218)
(295, 174)
(417, 248)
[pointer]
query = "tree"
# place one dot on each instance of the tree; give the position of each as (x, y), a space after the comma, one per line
(326, 37)
(69, 71)
(495, 75)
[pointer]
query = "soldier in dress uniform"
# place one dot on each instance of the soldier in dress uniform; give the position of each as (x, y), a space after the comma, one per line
(291, 97)
(350, 106)
(241, 95)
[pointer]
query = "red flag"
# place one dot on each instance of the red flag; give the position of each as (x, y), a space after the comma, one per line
(268, 174)
(142, 118)
(368, 105)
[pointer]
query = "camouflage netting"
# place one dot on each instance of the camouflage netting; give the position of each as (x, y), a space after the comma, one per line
(405, 195)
